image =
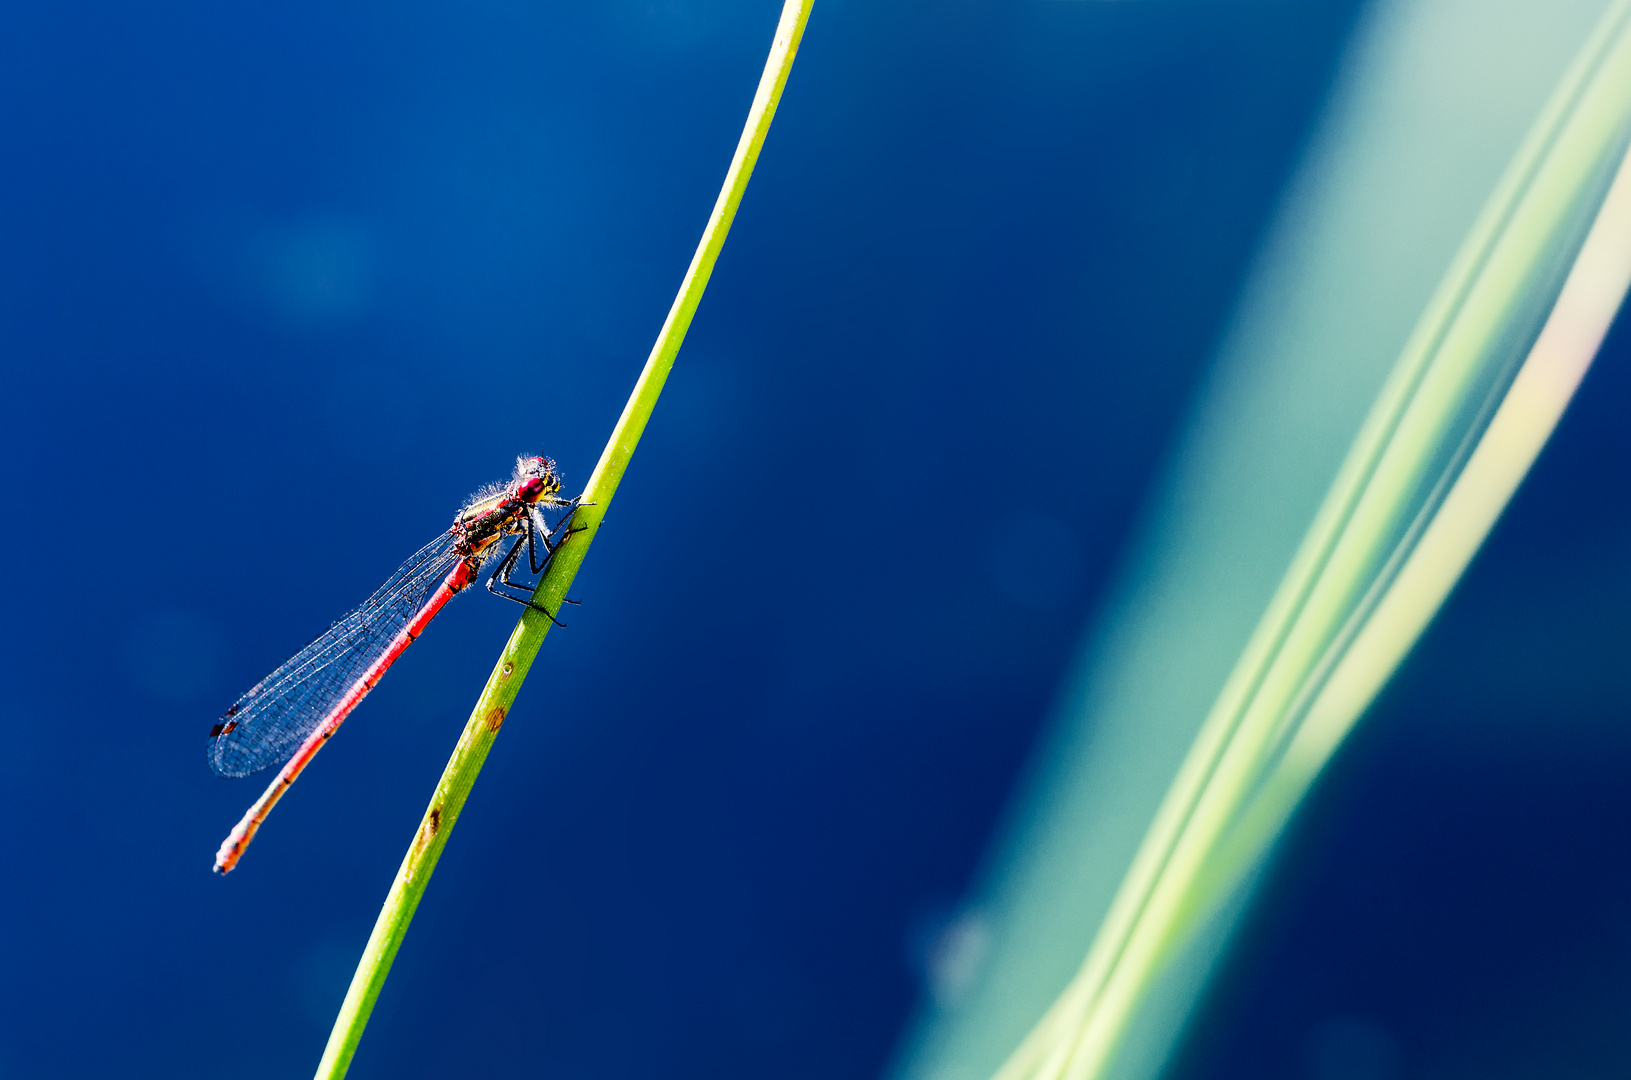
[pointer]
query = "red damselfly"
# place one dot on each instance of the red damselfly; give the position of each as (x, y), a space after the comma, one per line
(287, 717)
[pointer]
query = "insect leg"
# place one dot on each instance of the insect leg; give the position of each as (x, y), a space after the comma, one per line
(502, 576)
(546, 534)
(541, 527)
(537, 528)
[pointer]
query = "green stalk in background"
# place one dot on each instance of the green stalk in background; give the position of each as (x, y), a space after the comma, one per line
(513, 663)
(1478, 389)
(1386, 377)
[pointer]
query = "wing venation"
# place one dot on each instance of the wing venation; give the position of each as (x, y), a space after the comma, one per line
(265, 726)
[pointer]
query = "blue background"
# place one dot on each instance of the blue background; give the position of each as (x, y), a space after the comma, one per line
(281, 284)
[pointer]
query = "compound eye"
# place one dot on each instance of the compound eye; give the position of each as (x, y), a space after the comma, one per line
(531, 489)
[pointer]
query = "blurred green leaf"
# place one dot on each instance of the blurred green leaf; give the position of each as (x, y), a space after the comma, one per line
(1478, 387)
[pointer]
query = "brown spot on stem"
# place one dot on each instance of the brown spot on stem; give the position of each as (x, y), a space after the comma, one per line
(427, 830)
(495, 719)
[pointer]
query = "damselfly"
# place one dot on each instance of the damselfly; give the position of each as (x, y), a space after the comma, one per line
(287, 717)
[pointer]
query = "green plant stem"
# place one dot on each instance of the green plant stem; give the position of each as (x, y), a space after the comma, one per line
(504, 683)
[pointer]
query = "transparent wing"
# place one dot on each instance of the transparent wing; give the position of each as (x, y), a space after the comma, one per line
(266, 725)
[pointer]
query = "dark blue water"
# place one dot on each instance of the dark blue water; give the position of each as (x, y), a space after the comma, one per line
(280, 285)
